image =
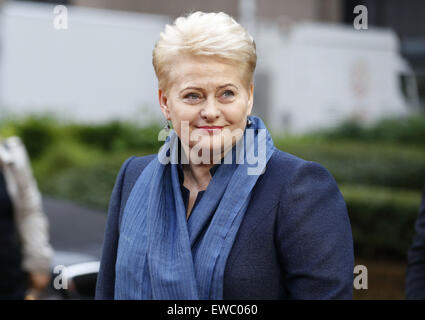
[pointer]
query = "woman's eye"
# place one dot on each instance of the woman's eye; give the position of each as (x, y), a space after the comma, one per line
(228, 93)
(192, 96)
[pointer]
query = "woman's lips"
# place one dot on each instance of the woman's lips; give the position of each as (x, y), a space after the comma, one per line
(211, 128)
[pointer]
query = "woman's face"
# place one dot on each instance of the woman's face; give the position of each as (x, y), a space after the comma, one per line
(209, 98)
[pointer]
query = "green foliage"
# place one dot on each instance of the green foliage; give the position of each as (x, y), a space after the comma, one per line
(115, 136)
(90, 182)
(40, 132)
(382, 220)
(409, 130)
(37, 132)
(380, 164)
(89, 185)
(63, 155)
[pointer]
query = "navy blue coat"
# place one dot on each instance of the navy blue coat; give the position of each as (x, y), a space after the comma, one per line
(295, 241)
(415, 275)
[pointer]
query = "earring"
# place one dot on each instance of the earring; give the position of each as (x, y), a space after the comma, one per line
(248, 122)
(167, 126)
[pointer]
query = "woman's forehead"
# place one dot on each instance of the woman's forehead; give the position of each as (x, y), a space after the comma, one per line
(206, 73)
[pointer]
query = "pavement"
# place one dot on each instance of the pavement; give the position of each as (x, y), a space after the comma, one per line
(74, 229)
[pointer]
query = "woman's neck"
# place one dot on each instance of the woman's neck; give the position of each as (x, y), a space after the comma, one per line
(197, 176)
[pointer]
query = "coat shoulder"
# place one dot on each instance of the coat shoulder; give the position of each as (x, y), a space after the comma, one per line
(283, 165)
(282, 157)
(288, 164)
(285, 170)
(135, 167)
(130, 171)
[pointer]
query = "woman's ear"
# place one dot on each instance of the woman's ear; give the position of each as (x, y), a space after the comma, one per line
(163, 103)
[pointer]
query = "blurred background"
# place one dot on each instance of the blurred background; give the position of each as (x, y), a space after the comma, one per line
(78, 86)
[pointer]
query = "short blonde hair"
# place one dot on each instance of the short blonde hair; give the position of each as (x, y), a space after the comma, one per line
(212, 34)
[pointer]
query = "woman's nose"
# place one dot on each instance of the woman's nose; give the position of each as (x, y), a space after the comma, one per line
(210, 111)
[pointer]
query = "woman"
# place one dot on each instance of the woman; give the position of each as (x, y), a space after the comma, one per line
(25, 252)
(205, 220)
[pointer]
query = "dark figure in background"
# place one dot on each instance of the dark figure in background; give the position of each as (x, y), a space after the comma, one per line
(415, 275)
(13, 285)
(25, 252)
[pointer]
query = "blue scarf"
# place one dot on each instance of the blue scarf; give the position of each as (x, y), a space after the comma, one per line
(161, 254)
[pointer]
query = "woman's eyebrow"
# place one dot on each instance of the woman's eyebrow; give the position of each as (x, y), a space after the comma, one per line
(192, 88)
(226, 85)
(201, 89)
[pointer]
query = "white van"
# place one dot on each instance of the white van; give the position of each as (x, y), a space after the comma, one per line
(316, 75)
